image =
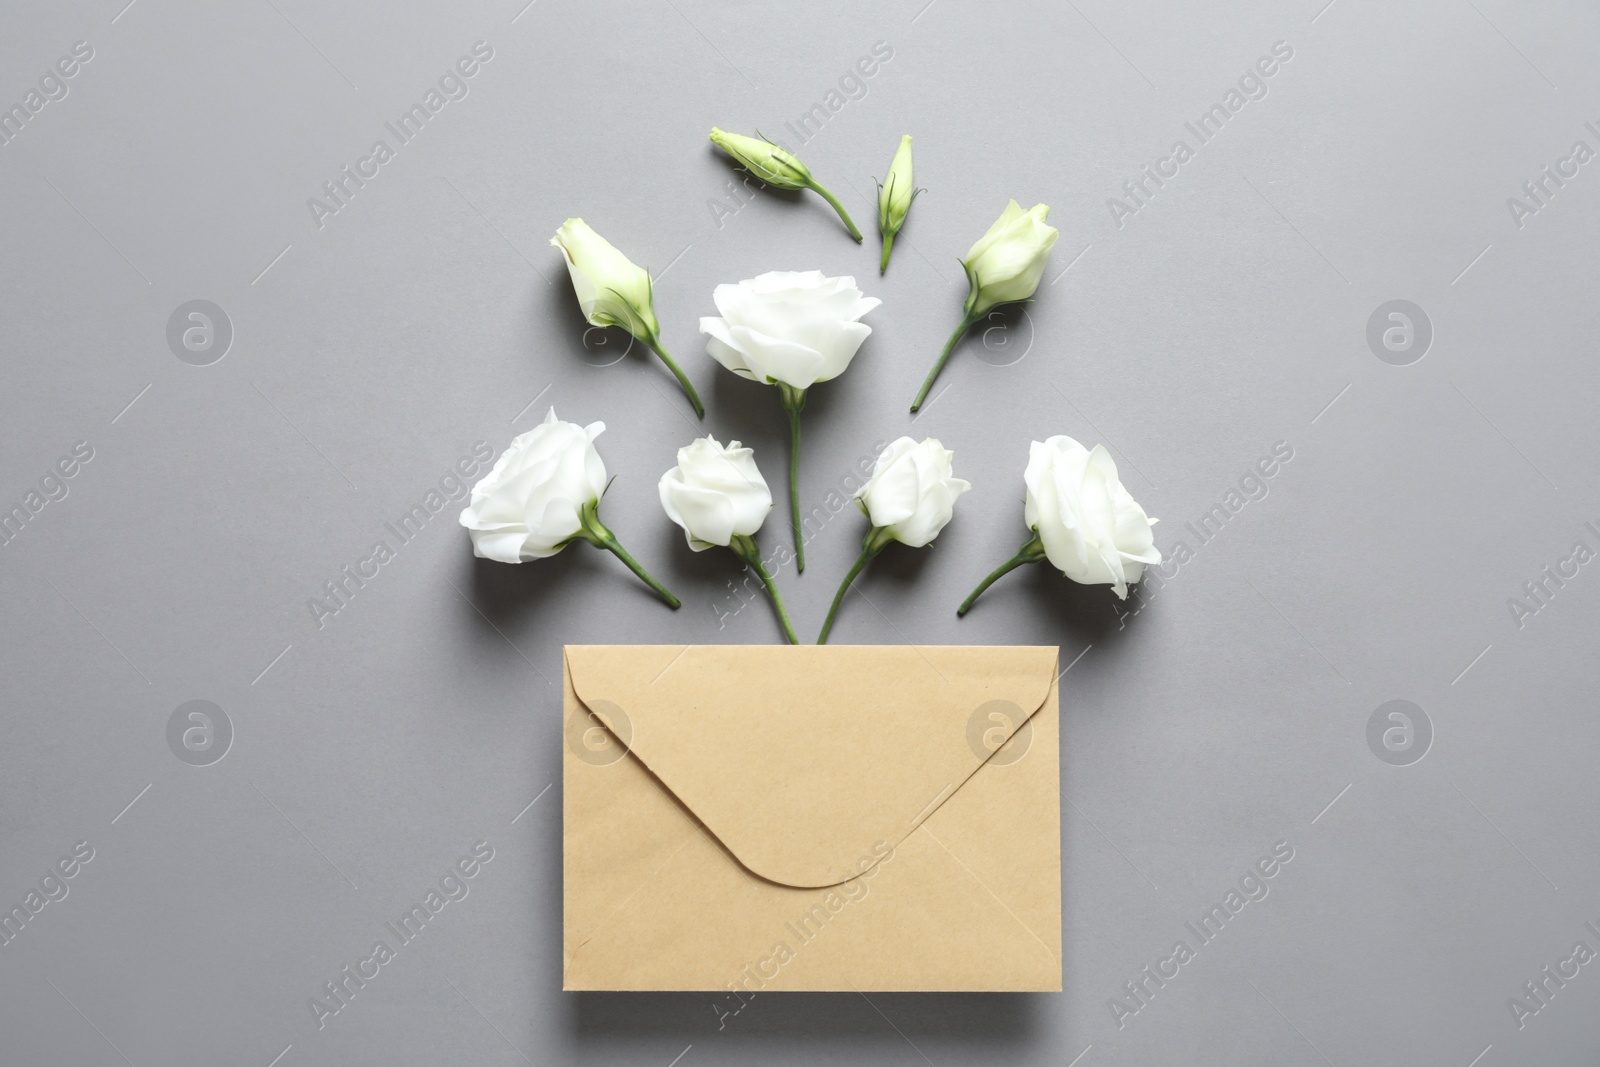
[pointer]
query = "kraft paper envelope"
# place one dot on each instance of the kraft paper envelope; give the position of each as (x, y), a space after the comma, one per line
(776, 817)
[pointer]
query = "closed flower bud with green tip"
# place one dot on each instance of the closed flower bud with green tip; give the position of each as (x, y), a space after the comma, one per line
(777, 166)
(1003, 267)
(895, 194)
(612, 290)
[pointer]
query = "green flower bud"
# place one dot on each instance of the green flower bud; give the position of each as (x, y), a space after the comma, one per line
(1003, 267)
(1005, 264)
(777, 166)
(768, 162)
(895, 194)
(612, 290)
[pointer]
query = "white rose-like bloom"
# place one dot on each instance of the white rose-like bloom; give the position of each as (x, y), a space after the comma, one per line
(909, 498)
(718, 496)
(715, 493)
(1006, 263)
(793, 328)
(530, 505)
(790, 329)
(1091, 528)
(911, 494)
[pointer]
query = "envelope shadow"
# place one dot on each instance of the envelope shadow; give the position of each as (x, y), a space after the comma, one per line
(1009, 1018)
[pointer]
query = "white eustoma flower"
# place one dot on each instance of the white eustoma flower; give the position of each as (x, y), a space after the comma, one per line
(1003, 267)
(717, 495)
(778, 166)
(794, 328)
(790, 329)
(912, 494)
(910, 497)
(530, 505)
(895, 194)
(612, 290)
(544, 493)
(1083, 520)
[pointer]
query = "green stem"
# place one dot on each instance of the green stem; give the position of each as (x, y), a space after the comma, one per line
(596, 533)
(745, 548)
(888, 243)
(659, 349)
(794, 401)
(949, 346)
(1032, 552)
(869, 548)
(843, 214)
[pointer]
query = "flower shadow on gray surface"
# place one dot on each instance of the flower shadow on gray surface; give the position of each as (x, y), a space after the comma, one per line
(586, 350)
(749, 411)
(515, 597)
(1087, 613)
(751, 188)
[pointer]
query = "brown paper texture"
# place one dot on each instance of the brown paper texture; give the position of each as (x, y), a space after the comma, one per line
(773, 817)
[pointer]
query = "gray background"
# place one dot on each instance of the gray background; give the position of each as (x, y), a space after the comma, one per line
(1228, 314)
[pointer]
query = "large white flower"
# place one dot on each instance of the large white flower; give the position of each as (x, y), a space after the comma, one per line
(529, 506)
(791, 329)
(1092, 529)
(543, 493)
(794, 328)
(1082, 519)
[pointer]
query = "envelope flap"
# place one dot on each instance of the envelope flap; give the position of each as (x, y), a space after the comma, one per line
(809, 762)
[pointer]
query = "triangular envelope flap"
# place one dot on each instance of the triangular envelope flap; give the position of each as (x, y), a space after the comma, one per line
(809, 762)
